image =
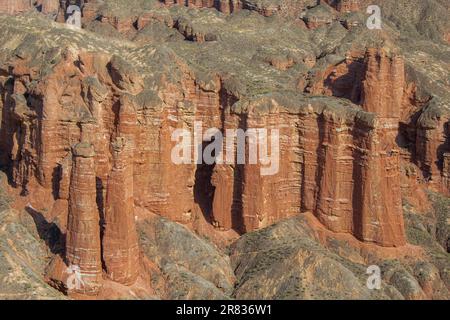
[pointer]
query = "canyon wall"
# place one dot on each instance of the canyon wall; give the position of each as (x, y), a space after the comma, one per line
(15, 6)
(285, 7)
(83, 250)
(120, 243)
(50, 8)
(335, 160)
(339, 164)
(225, 6)
(345, 5)
(377, 80)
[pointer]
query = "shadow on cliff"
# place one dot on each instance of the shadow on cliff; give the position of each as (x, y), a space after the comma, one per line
(348, 85)
(49, 232)
(203, 189)
(443, 148)
(9, 127)
(407, 132)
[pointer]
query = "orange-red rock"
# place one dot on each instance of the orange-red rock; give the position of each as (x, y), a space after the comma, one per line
(345, 5)
(119, 242)
(50, 7)
(384, 83)
(83, 249)
(14, 6)
(446, 172)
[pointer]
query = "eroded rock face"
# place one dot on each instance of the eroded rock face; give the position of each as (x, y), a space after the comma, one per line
(336, 99)
(50, 7)
(343, 80)
(333, 165)
(384, 83)
(266, 8)
(285, 261)
(345, 5)
(341, 163)
(119, 242)
(203, 273)
(14, 6)
(83, 249)
(431, 145)
(225, 6)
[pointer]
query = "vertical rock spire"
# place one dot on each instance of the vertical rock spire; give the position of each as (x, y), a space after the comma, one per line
(120, 244)
(83, 250)
(384, 83)
(380, 217)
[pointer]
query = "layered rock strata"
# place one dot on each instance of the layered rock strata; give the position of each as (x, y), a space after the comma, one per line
(14, 6)
(49, 7)
(266, 8)
(432, 143)
(120, 244)
(343, 168)
(352, 198)
(345, 5)
(225, 6)
(83, 249)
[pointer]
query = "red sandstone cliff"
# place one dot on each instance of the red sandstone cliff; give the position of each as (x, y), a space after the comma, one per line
(286, 7)
(343, 168)
(120, 245)
(15, 6)
(50, 7)
(83, 249)
(337, 161)
(225, 6)
(345, 5)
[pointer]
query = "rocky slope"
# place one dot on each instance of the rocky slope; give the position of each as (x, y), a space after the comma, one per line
(363, 116)
(24, 253)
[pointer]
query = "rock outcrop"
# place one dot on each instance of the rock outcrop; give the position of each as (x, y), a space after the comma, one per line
(15, 6)
(339, 163)
(345, 5)
(340, 167)
(356, 122)
(286, 260)
(203, 273)
(50, 7)
(266, 8)
(432, 142)
(119, 242)
(83, 248)
(225, 6)
(384, 83)
(319, 16)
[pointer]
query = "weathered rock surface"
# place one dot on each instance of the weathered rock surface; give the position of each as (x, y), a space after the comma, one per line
(14, 6)
(192, 267)
(83, 249)
(362, 116)
(51, 8)
(345, 5)
(286, 261)
(336, 158)
(23, 253)
(119, 242)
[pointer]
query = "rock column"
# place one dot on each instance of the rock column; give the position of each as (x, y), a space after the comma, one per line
(379, 214)
(83, 250)
(120, 244)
